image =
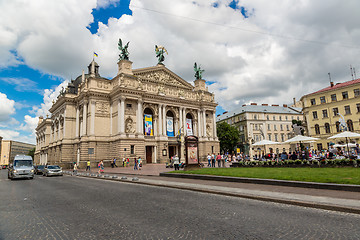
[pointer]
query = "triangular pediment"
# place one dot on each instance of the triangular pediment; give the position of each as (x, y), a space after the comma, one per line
(161, 75)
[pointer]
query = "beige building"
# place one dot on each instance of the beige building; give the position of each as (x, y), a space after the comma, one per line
(9, 149)
(258, 122)
(138, 113)
(322, 108)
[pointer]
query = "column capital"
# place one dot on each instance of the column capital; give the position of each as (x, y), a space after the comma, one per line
(122, 98)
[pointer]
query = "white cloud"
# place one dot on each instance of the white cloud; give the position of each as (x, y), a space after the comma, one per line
(7, 108)
(9, 134)
(244, 64)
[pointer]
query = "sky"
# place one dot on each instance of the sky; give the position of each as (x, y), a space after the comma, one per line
(251, 50)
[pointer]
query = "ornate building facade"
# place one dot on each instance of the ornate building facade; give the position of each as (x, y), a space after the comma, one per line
(139, 113)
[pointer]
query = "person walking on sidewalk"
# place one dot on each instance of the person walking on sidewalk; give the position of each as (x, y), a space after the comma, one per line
(213, 160)
(135, 164)
(218, 159)
(114, 162)
(101, 167)
(139, 163)
(75, 169)
(209, 160)
(88, 165)
(176, 162)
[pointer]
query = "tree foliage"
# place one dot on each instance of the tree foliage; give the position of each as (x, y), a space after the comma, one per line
(31, 152)
(228, 136)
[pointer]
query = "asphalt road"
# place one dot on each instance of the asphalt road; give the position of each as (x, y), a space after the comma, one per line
(81, 208)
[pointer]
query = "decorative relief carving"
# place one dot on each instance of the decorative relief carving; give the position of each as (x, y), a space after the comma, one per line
(129, 125)
(161, 90)
(102, 108)
(208, 130)
(160, 77)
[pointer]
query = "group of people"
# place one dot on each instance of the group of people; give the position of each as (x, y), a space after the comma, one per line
(219, 158)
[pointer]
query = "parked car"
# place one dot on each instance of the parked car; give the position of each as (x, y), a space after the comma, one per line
(39, 169)
(21, 168)
(52, 170)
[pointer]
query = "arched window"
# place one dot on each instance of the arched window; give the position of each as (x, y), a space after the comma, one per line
(189, 125)
(337, 126)
(327, 127)
(170, 129)
(350, 125)
(317, 129)
(148, 122)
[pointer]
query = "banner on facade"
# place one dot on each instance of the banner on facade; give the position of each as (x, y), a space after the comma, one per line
(170, 126)
(189, 130)
(148, 125)
(192, 154)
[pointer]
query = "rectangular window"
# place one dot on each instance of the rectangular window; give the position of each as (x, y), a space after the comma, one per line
(281, 127)
(132, 149)
(335, 111)
(269, 127)
(256, 126)
(128, 105)
(287, 127)
(275, 127)
(357, 92)
(345, 95)
(274, 118)
(312, 101)
(280, 118)
(333, 97)
(282, 137)
(286, 118)
(319, 146)
(267, 117)
(315, 115)
(276, 138)
(358, 107)
(322, 99)
(269, 136)
(325, 113)
(347, 110)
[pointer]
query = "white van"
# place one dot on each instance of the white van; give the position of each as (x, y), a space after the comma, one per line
(22, 167)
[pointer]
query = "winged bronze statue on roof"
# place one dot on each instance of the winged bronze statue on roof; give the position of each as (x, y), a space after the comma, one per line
(124, 54)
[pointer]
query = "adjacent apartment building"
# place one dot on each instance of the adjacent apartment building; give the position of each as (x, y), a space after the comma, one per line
(257, 122)
(9, 149)
(324, 109)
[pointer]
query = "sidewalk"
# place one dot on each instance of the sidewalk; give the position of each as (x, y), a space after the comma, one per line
(344, 201)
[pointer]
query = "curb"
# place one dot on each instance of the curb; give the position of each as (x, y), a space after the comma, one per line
(253, 197)
(327, 186)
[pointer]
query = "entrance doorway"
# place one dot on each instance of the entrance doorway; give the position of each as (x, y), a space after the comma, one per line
(172, 151)
(148, 154)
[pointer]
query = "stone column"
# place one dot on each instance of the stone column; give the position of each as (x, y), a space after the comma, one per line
(118, 116)
(164, 121)
(184, 121)
(155, 126)
(195, 130)
(111, 119)
(122, 115)
(204, 123)
(84, 118)
(92, 118)
(181, 119)
(214, 125)
(199, 132)
(160, 119)
(139, 117)
(64, 124)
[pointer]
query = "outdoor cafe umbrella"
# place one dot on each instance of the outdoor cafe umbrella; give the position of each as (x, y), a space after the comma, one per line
(300, 139)
(347, 135)
(264, 143)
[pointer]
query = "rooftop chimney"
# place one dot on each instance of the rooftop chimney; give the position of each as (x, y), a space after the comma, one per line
(243, 105)
(275, 105)
(331, 84)
(284, 105)
(253, 103)
(264, 104)
(294, 99)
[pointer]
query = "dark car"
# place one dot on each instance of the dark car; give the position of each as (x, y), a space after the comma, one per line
(39, 169)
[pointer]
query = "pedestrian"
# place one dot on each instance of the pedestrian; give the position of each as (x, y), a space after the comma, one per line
(176, 162)
(75, 169)
(223, 160)
(123, 162)
(209, 160)
(135, 164)
(218, 159)
(101, 167)
(213, 160)
(139, 163)
(88, 165)
(114, 162)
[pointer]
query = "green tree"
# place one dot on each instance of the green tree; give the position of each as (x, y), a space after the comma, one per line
(228, 136)
(31, 152)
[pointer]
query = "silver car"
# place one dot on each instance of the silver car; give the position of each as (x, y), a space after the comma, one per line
(21, 168)
(52, 170)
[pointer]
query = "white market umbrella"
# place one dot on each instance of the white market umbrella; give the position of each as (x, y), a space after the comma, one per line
(264, 143)
(347, 135)
(300, 139)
